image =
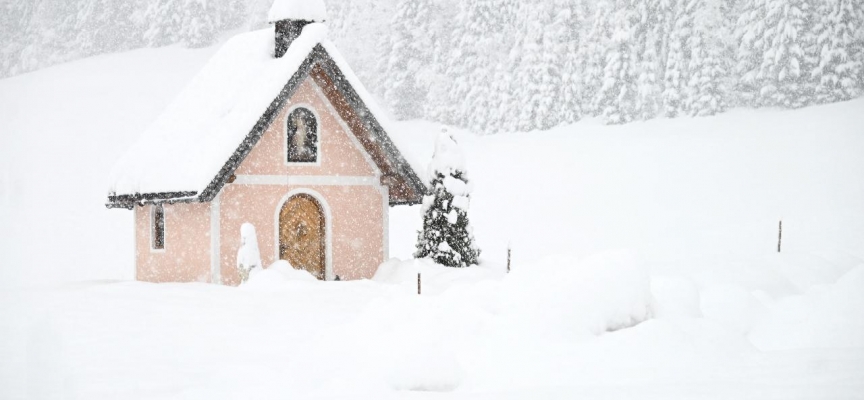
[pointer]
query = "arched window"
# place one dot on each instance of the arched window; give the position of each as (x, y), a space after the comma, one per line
(302, 136)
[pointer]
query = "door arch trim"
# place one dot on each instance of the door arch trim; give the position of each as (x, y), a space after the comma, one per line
(328, 227)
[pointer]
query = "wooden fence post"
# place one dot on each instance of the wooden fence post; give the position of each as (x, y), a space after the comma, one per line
(418, 283)
(508, 258)
(779, 235)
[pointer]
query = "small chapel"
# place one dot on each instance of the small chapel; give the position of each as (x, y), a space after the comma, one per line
(275, 131)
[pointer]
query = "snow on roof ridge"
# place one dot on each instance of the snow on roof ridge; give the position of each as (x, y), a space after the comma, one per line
(307, 10)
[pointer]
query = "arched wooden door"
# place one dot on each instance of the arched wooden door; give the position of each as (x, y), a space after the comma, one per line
(302, 234)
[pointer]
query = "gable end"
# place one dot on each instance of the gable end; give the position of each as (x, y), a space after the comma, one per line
(405, 186)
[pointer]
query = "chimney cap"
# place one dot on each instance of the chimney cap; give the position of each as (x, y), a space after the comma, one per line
(305, 10)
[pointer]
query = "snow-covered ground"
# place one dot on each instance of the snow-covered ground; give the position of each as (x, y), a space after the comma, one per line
(671, 223)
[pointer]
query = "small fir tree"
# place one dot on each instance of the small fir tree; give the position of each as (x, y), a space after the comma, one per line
(447, 236)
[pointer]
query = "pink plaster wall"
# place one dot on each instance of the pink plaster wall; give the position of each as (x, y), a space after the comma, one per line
(356, 220)
(356, 223)
(338, 156)
(186, 257)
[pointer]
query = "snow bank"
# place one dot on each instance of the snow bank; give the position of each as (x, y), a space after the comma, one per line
(731, 305)
(426, 367)
(826, 316)
(435, 278)
(276, 276)
(604, 292)
(674, 297)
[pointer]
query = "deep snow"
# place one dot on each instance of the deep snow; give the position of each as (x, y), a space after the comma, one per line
(675, 220)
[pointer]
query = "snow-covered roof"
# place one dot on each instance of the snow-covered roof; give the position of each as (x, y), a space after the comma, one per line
(190, 147)
(308, 10)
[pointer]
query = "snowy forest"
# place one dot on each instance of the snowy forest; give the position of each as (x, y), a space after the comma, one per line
(509, 65)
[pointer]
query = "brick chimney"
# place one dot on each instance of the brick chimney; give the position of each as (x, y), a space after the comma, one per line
(290, 16)
(286, 31)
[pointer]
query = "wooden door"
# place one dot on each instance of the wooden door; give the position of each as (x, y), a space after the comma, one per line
(301, 234)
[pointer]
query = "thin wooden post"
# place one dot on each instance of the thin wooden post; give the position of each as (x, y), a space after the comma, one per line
(779, 235)
(508, 259)
(418, 283)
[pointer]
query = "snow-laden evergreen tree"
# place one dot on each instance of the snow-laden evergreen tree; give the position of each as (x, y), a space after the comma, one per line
(572, 16)
(194, 23)
(478, 46)
(617, 97)
(772, 61)
(447, 236)
(539, 75)
(503, 119)
(750, 30)
(648, 36)
(706, 91)
(411, 44)
(592, 56)
(837, 56)
(676, 71)
(15, 18)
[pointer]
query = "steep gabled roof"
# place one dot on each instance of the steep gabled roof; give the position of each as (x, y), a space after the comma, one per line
(192, 150)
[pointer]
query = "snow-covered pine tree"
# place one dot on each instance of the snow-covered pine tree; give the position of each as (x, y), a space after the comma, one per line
(618, 94)
(837, 57)
(482, 35)
(648, 35)
(573, 16)
(410, 45)
(782, 70)
(539, 73)
(678, 54)
(469, 65)
(447, 236)
(749, 31)
(706, 90)
(102, 25)
(15, 17)
(771, 58)
(592, 56)
(200, 24)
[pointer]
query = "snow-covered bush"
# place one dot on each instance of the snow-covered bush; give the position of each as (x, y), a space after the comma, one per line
(248, 256)
(447, 236)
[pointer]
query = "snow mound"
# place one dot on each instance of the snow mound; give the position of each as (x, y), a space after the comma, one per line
(305, 10)
(731, 305)
(276, 275)
(826, 316)
(604, 292)
(674, 297)
(427, 368)
(435, 278)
